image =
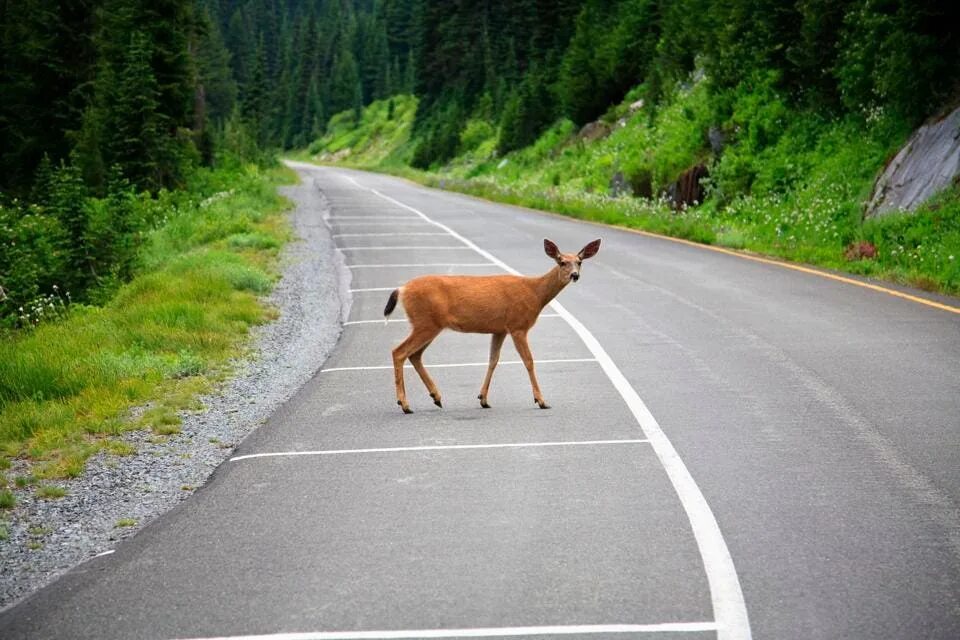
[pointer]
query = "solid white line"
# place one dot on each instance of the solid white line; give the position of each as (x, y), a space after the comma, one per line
(729, 606)
(489, 632)
(104, 553)
(454, 365)
(439, 447)
(388, 235)
(422, 264)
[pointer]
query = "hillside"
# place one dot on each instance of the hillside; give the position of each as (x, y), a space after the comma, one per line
(768, 142)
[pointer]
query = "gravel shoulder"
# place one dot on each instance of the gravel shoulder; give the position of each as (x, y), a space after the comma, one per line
(47, 538)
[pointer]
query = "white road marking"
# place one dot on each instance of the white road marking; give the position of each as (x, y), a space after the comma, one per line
(104, 553)
(352, 322)
(487, 632)
(381, 218)
(455, 365)
(439, 447)
(422, 264)
(388, 235)
(403, 248)
(729, 606)
(405, 220)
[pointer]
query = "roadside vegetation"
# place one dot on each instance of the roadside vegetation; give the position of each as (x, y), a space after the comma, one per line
(69, 383)
(765, 135)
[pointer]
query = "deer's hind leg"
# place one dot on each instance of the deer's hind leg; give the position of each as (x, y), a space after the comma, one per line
(417, 341)
(496, 342)
(416, 359)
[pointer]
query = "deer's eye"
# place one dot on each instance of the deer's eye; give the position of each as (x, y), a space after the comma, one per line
(564, 263)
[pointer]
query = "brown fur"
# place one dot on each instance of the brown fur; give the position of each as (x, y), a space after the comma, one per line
(498, 305)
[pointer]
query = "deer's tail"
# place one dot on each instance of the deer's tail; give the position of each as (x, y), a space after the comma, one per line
(391, 303)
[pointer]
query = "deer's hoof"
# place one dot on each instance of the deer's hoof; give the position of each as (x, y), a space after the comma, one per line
(542, 404)
(483, 401)
(437, 402)
(406, 408)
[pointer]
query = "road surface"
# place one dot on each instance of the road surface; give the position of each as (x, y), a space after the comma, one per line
(735, 449)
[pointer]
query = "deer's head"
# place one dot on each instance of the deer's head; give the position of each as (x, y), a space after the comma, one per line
(569, 263)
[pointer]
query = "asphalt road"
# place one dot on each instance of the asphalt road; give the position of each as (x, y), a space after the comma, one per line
(735, 448)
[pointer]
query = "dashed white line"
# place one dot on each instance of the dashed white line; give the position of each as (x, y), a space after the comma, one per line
(438, 447)
(729, 606)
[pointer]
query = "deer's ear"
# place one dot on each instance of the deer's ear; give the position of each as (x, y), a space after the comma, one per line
(590, 250)
(550, 248)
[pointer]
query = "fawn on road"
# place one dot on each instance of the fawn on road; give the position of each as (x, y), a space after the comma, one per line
(498, 305)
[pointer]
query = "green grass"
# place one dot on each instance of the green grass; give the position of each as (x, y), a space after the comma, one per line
(7, 499)
(67, 387)
(125, 522)
(50, 492)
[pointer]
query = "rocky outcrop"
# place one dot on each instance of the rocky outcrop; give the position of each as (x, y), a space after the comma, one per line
(594, 131)
(688, 190)
(927, 164)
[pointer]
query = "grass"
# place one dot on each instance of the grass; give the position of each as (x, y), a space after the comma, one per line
(50, 492)
(789, 184)
(67, 388)
(125, 522)
(7, 499)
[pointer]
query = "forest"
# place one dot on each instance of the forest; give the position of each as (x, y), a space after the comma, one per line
(107, 100)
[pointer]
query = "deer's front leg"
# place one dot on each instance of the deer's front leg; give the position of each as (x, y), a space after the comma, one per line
(496, 342)
(520, 342)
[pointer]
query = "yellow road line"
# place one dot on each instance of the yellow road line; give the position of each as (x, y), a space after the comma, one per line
(796, 267)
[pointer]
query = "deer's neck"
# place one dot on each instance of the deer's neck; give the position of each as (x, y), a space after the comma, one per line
(548, 286)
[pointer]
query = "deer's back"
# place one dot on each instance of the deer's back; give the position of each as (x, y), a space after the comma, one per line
(472, 304)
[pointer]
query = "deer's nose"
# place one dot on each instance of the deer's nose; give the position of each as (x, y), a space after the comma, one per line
(574, 276)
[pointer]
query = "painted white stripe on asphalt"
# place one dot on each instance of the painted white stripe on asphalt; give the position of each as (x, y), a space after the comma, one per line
(335, 218)
(104, 553)
(729, 607)
(388, 235)
(454, 365)
(422, 264)
(439, 447)
(490, 632)
(403, 248)
(352, 322)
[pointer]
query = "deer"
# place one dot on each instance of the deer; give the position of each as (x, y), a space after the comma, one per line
(494, 304)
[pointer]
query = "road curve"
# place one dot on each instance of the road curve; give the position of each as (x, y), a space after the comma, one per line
(735, 449)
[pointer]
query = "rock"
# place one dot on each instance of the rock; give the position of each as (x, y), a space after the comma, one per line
(594, 131)
(718, 140)
(688, 190)
(619, 186)
(927, 164)
(636, 106)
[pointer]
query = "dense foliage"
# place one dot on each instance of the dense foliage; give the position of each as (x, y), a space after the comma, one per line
(525, 63)
(106, 99)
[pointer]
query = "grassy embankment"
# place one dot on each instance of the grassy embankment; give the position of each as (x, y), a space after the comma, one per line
(788, 184)
(68, 387)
